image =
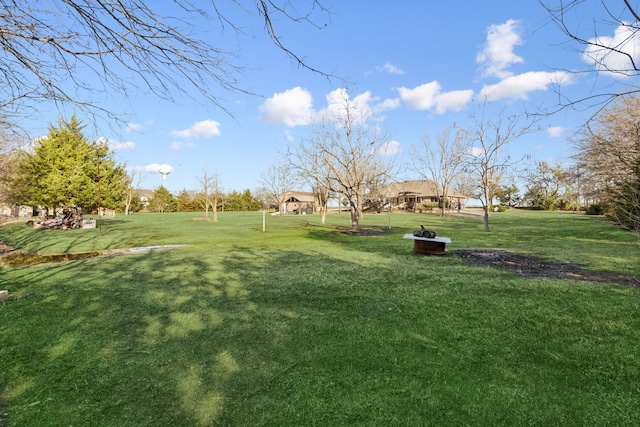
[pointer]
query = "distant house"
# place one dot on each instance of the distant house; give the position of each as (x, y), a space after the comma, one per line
(416, 195)
(300, 203)
(145, 196)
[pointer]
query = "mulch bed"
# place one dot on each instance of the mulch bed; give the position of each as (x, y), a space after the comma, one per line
(532, 267)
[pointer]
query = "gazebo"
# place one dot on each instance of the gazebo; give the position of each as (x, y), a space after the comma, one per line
(299, 203)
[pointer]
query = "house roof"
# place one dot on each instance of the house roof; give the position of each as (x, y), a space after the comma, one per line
(417, 188)
(143, 193)
(300, 196)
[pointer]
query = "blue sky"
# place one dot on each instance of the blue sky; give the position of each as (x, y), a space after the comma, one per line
(418, 66)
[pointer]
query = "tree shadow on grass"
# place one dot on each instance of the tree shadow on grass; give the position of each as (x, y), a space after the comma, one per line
(372, 239)
(253, 336)
(65, 241)
(171, 338)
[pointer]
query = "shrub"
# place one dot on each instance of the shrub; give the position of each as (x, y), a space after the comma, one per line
(595, 209)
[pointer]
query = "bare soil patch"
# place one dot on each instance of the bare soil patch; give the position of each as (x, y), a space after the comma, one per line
(532, 267)
(362, 231)
(9, 257)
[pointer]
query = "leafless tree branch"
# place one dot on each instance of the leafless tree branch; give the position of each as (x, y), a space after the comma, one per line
(602, 51)
(65, 51)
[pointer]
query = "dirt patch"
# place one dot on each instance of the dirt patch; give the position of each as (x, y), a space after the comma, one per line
(18, 258)
(9, 257)
(532, 267)
(362, 231)
(4, 248)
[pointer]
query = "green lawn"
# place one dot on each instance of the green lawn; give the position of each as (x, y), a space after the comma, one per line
(306, 326)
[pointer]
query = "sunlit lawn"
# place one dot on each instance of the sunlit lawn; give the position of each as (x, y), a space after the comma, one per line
(304, 325)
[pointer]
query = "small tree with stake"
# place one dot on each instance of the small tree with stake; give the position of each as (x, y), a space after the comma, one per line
(488, 160)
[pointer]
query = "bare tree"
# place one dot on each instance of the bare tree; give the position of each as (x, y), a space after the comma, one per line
(210, 187)
(322, 193)
(548, 187)
(609, 146)
(464, 183)
(441, 162)
(9, 157)
(609, 155)
(488, 159)
(608, 44)
(277, 182)
(626, 206)
(64, 51)
(352, 156)
(306, 160)
(133, 180)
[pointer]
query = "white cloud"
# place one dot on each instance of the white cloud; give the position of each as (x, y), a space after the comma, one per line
(32, 144)
(430, 95)
(387, 104)
(476, 151)
(555, 131)
(117, 146)
(421, 97)
(176, 145)
(156, 168)
(293, 107)
(133, 127)
(339, 102)
(454, 100)
(391, 147)
(206, 129)
(152, 168)
(288, 136)
(518, 87)
(613, 55)
(497, 54)
(390, 68)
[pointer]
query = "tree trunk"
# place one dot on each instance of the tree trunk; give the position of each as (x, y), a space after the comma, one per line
(487, 204)
(323, 214)
(355, 219)
(129, 199)
(215, 209)
(486, 218)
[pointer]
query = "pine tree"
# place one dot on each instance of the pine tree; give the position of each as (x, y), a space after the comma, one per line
(66, 169)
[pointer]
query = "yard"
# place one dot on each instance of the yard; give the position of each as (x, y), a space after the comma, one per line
(308, 324)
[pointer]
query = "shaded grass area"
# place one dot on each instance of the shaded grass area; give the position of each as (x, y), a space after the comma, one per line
(304, 325)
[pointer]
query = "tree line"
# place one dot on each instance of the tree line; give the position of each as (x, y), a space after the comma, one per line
(346, 158)
(196, 200)
(66, 169)
(603, 177)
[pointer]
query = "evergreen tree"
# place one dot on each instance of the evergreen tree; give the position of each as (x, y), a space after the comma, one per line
(188, 201)
(244, 201)
(163, 201)
(508, 195)
(66, 169)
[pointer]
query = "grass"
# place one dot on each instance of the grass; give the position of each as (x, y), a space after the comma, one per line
(304, 325)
